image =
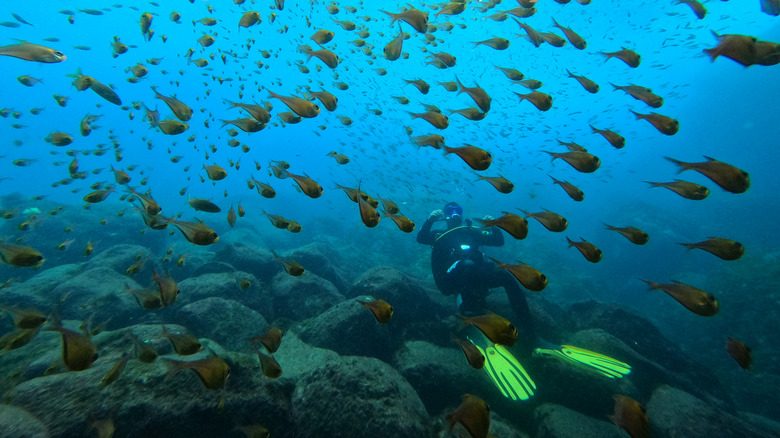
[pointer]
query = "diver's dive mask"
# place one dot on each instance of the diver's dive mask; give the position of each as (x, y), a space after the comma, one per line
(453, 212)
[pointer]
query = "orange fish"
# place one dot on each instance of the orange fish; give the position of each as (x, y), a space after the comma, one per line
(740, 352)
(474, 414)
(476, 158)
(589, 250)
(630, 416)
(475, 358)
(571, 190)
(685, 189)
(497, 328)
(528, 276)
(516, 226)
(552, 221)
(664, 124)
(726, 249)
(695, 300)
(730, 178)
(634, 235)
(381, 309)
(368, 214)
(582, 161)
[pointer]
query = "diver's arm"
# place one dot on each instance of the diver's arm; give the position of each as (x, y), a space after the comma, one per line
(426, 236)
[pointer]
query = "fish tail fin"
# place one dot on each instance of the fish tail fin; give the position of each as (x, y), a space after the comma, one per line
(555, 181)
(607, 56)
(495, 261)
(460, 85)
(594, 128)
(571, 242)
(552, 154)
(176, 367)
(689, 246)
(610, 227)
(712, 53)
(638, 116)
(394, 17)
(654, 184)
(555, 23)
(683, 165)
(616, 87)
(570, 75)
(650, 283)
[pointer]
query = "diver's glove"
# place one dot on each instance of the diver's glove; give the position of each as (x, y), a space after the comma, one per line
(437, 215)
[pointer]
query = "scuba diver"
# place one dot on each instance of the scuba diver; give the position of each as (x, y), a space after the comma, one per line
(460, 268)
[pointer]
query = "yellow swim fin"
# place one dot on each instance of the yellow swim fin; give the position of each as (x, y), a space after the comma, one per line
(506, 372)
(588, 360)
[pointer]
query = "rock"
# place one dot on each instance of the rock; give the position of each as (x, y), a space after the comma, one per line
(98, 294)
(554, 421)
(35, 291)
(18, 423)
(228, 322)
(119, 258)
(379, 402)
(303, 297)
(674, 413)
(350, 330)
(319, 258)
(213, 268)
(260, 263)
(439, 375)
(415, 315)
(226, 286)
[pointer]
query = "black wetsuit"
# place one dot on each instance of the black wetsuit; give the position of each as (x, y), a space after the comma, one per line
(460, 267)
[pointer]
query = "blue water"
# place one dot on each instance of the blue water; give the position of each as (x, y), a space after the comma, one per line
(725, 111)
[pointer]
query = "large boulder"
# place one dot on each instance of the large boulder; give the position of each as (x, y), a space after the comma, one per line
(349, 329)
(320, 259)
(226, 285)
(674, 413)
(18, 423)
(360, 397)
(439, 375)
(228, 322)
(258, 262)
(299, 298)
(120, 257)
(554, 421)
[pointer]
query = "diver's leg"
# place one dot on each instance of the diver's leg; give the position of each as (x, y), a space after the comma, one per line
(516, 295)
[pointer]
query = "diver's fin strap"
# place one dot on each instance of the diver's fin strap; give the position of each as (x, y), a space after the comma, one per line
(589, 360)
(506, 373)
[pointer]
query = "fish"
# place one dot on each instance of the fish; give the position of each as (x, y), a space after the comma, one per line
(98, 196)
(630, 416)
(204, 205)
(249, 19)
(33, 52)
(20, 256)
(664, 124)
(413, 16)
(588, 250)
(309, 187)
(231, 216)
(169, 290)
(28, 80)
(196, 233)
(118, 46)
(25, 318)
(474, 357)
(771, 7)
(145, 298)
(685, 189)
(299, 106)
(59, 139)
(575, 40)
(116, 370)
(150, 206)
(726, 249)
(277, 221)
(340, 158)
(290, 266)
(265, 190)
(513, 224)
(143, 350)
(728, 177)
(271, 339)
(184, 345)
(436, 119)
(172, 127)
(368, 214)
(474, 414)
(381, 309)
(105, 92)
(571, 190)
(587, 84)
(582, 161)
(552, 221)
(497, 328)
(215, 172)
(392, 50)
(644, 94)
(480, 96)
(631, 58)
(78, 351)
(739, 48)
(542, 101)
(511, 73)
(146, 22)
(255, 430)
(497, 43)
(420, 85)
(322, 36)
(256, 111)
(528, 276)
(476, 158)
(740, 352)
(269, 365)
(633, 234)
(213, 371)
(697, 7)
(328, 100)
(353, 193)
(404, 223)
(435, 141)
(388, 206)
(533, 35)
(326, 56)
(696, 300)
(179, 108)
(18, 338)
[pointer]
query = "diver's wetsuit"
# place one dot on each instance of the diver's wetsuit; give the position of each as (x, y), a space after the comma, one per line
(460, 267)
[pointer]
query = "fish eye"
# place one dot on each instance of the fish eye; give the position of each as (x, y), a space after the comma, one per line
(542, 277)
(316, 107)
(95, 357)
(512, 328)
(214, 235)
